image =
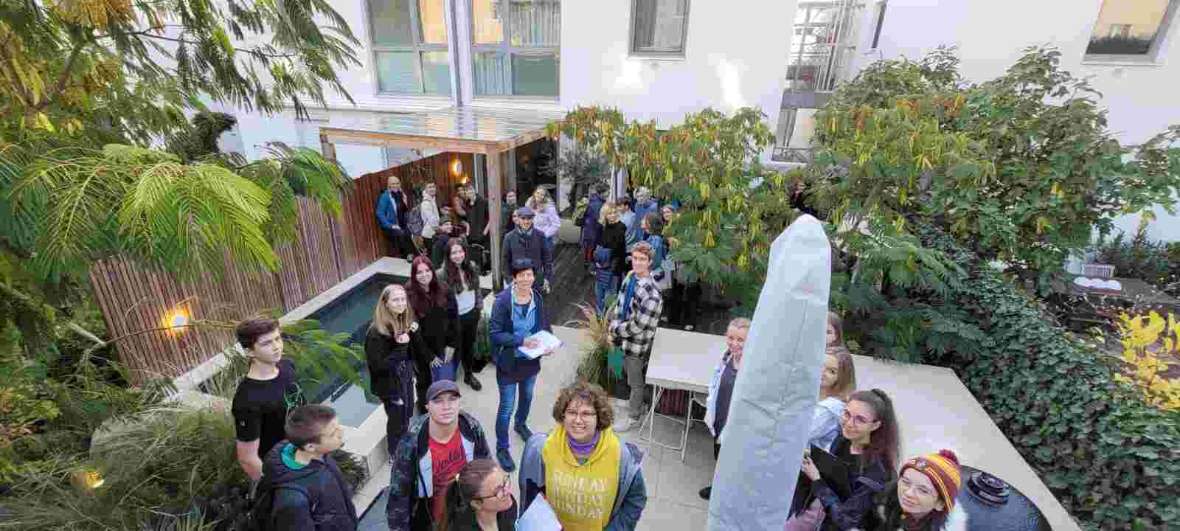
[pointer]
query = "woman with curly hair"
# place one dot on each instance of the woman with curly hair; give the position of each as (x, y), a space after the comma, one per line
(592, 478)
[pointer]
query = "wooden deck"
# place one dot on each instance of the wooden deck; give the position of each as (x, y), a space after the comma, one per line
(573, 284)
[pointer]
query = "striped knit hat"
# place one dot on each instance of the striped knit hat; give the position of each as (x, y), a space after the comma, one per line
(943, 470)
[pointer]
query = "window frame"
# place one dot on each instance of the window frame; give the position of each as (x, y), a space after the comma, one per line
(666, 54)
(417, 48)
(1154, 51)
(506, 48)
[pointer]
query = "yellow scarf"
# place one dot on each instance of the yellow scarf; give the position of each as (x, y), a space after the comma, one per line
(582, 495)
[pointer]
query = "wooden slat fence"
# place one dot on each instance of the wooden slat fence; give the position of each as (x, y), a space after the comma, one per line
(136, 300)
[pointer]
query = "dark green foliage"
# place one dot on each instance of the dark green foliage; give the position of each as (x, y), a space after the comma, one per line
(200, 139)
(1112, 461)
(928, 181)
(1020, 168)
(582, 169)
(1157, 263)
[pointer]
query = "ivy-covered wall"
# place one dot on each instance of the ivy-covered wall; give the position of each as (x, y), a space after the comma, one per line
(1112, 460)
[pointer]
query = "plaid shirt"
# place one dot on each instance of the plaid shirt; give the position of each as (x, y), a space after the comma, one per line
(638, 331)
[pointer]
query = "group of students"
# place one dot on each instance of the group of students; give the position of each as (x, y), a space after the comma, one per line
(442, 467)
(443, 476)
(859, 428)
(427, 228)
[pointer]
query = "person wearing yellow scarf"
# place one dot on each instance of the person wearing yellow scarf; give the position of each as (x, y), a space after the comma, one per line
(591, 478)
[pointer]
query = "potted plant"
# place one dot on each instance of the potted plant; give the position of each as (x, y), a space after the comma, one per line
(595, 366)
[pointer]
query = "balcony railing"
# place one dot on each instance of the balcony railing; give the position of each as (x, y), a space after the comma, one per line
(823, 40)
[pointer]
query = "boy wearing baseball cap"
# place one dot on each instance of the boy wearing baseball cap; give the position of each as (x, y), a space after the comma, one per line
(429, 456)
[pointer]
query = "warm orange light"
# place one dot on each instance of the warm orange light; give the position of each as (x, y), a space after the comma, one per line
(176, 320)
(88, 480)
(456, 167)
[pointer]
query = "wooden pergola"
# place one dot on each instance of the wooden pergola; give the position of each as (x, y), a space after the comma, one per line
(481, 131)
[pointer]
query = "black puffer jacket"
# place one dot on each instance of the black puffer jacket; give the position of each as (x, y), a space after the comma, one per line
(315, 497)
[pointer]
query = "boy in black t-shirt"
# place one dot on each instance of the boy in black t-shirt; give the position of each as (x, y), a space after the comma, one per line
(263, 397)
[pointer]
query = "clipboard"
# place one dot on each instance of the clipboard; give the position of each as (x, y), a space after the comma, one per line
(833, 471)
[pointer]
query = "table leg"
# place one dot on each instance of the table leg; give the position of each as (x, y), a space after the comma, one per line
(687, 424)
(651, 414)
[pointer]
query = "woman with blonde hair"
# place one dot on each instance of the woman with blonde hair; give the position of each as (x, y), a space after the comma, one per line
(392, 344)
(721, 386)
(547, 221)
(610, 254)
(836, 382)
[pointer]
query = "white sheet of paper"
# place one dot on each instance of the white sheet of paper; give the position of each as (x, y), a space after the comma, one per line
(545, 341)
(538, 517)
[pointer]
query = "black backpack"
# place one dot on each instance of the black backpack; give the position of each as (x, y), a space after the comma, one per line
(262, 507)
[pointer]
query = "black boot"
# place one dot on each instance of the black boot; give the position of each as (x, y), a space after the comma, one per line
(470, 380)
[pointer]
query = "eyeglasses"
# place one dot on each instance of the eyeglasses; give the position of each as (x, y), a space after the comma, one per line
(923, 490)
(584, 415)
(859, 420)
(501, 490)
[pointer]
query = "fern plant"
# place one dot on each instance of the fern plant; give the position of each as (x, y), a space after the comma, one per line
(78, 205)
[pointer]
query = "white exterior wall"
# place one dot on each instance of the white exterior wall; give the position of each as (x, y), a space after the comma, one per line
(732, 60)
(735, 56)
(1142, 99)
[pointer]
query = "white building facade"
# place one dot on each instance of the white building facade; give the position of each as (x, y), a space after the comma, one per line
(1128, 49)
(651, 59)
(661, 59)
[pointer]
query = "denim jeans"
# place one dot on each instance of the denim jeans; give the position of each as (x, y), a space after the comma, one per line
(605, 284)
(507, 401)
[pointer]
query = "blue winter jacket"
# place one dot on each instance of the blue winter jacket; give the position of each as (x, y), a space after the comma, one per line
(591, 228)
(511, 366)
(389, 214)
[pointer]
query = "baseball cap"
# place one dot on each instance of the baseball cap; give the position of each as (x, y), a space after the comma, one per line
(442, 386)
(524, 212)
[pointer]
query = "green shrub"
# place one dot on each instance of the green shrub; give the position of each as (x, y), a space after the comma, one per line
(157, 467)
(1112, 460)
(1157, 263)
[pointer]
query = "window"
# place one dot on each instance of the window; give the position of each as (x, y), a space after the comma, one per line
(410, 46)
(1130, 27)
(658, 27)
(515, 47)
(821, 42)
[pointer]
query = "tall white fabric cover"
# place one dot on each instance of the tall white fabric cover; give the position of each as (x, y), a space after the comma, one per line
(776, 389)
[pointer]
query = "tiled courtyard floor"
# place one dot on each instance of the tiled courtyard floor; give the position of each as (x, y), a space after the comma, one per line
(671, 485)
(935, 411)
